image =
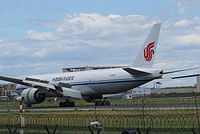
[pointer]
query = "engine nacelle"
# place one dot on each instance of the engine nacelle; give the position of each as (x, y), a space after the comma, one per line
(33, 96)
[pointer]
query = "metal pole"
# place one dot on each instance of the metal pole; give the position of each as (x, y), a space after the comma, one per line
(22, 120)
(95, 111)
(143, 112)
(197, 113)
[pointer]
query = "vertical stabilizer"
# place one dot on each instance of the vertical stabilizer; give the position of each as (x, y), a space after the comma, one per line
(145, 57)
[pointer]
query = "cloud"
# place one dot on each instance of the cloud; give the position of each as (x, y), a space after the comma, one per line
(40, 53)
(97, 25)
(115, 35)
(35, 35)
(13, 48)
(189, 39)
(182, 23)
(95, 39)
(185, 5)
(93, 29)
(99, 30)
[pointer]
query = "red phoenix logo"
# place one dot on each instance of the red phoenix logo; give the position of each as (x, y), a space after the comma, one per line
(148, 51)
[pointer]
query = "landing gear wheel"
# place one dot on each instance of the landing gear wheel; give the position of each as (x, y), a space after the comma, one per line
(102, 103)
(28, 105)
(107, 103)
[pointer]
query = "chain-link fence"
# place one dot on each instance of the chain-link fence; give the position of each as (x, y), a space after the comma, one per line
(145, 115)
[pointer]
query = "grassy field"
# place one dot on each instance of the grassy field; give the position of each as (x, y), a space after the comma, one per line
(114, 121)
(114, 102)
(112, 118)
(43, 104)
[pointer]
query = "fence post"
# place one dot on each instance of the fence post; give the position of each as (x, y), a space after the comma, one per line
(197, 113)
(147, 130)
(143, 112)
(138, 130)
(21, 116)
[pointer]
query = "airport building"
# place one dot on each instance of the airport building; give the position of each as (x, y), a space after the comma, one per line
(7, 91)
(75, 69)
(141, 91)
(178, 90)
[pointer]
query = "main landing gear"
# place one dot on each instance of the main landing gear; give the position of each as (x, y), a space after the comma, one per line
(67, 103)
(28, 105)
(102, 102)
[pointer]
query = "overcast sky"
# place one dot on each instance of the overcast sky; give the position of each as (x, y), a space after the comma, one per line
(43, 36)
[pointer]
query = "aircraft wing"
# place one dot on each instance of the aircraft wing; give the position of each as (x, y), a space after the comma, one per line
(63, 88)
(14, 80)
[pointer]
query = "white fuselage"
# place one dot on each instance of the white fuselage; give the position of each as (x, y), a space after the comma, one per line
(98, 82)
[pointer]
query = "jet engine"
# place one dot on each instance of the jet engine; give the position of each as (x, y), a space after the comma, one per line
(33, 96)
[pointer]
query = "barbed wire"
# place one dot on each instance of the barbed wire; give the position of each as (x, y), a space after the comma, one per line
(140, 113)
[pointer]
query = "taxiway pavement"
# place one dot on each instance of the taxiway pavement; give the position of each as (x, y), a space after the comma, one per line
(114, 107)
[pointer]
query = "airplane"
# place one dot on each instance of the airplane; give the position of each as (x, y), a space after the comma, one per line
(91, 85)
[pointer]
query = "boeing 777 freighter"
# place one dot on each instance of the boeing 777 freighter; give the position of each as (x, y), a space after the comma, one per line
(93, 84)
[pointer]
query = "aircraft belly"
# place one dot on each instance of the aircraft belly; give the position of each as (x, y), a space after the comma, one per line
(113, 88)
(85, 90)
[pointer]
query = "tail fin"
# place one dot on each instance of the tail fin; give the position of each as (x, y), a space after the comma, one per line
(145, 57)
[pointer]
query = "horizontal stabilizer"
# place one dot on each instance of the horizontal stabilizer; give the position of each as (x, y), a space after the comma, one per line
(185, 76)
(181, 70)
(136, 72)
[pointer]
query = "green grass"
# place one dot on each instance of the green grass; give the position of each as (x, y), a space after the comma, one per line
(113, 120)
(154, 101)
(110, 119)
(114, 102)
(43, 104)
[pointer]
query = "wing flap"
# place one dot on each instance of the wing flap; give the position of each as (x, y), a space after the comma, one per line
(64, 85)
(71, 92)
(40, 84)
